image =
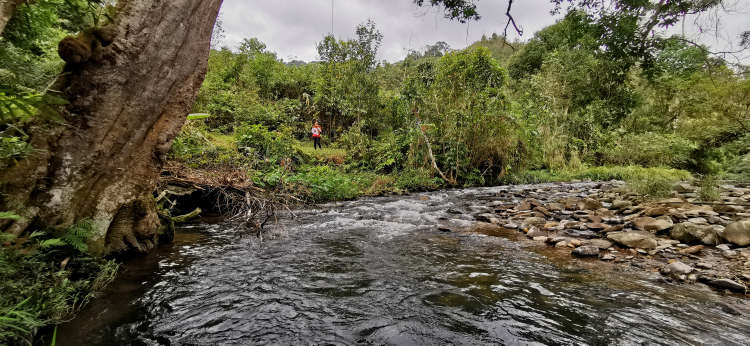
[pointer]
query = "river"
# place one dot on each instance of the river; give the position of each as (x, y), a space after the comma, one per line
(377, 271)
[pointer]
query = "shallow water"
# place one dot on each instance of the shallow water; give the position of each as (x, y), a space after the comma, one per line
(378, 271)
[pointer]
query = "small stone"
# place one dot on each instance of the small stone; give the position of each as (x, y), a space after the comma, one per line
(561, 244)
(683, 246)
(607, 258)
(510, 226)
(533, 233)
(629, 257)
(549, 225)
(679, 268)
(576, 242)
(672, 261)
(656, 211)
(555, 207)
(642, 252)
(586, 251)
(589, 204)
(556, 240)
(728, 209)
(722, 247)
(729, 253)
(704, 265)
(542, 238)
(597, 226)
(615, 228)
(692, 249)
(692, 278)
(698, 220)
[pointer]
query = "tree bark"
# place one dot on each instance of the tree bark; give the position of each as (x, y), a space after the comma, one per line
(7, 9)
(125, 109)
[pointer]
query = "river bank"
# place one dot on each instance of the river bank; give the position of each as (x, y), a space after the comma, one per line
(685, 240)
(383, 270)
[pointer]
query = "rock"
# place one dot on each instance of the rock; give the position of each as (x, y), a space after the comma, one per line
(556, 240)
(615, 228)
(683, 188)
(679, 268)
(722, 247)
(698, 220)
(656, 211)
(484, 217)
(575, 242)
(600, 243)
(692, 278)
(555, 207)
(607, 258)
(561, 244)
(728, 284)
(586, 251)
(523, 206)
(595, 218)
(535, 233)
(542, 238)
(634, 239)
(738, 232)
(691, 250)
(668, 242)
(651, 224)
(549, 225)
(683, 246)
(728, 209)
(703, 265)
(534, 221)
(597, 225)
(455, 211)
(729, 253)
(691, 233)
(642, 252)
(510, 226)
(589, 204)
(620, 204)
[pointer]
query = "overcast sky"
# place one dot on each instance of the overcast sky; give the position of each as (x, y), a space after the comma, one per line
(291, 27)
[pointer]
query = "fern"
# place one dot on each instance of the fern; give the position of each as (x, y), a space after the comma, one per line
(10, 215)
(46, 244)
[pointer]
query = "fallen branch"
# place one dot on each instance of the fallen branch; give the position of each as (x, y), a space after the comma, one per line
(187, 217)
(429, 151)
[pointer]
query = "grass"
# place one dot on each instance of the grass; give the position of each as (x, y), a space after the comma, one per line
(707, 190)
(325, 155)
(626, 173)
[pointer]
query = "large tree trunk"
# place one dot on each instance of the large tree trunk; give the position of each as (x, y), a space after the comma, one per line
(125, 109)
(7, 9)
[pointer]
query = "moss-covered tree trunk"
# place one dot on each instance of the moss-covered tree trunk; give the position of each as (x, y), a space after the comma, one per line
(125, 108)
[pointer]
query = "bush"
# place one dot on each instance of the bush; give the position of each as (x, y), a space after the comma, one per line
(266, 148)
(651, 150)
(418, 179)
(324, 184)
(707, 190)
(47, 279)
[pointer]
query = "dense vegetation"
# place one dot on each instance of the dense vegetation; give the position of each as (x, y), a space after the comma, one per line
(489, 114)
(582, 99)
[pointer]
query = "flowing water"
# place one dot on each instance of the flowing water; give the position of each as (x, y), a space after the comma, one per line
(377, 271)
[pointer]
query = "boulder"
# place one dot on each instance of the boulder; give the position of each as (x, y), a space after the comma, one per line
(651, 224)
(691, 233)
(615, 228)
(597, 226)
(589, 204)
(738, 232)
(600, 243)
(728, 209)
(555, 207)
(620, 204)
(635, 239)
(536, 233)
(728, 284)
(586, 251)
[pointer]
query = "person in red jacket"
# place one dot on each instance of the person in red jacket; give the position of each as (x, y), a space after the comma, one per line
(316, 132)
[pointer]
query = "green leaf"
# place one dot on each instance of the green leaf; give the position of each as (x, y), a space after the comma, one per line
(195, 116)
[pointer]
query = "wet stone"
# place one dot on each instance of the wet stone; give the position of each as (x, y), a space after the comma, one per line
(586, 251)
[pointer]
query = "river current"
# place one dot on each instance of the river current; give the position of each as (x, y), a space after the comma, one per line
(378, 271)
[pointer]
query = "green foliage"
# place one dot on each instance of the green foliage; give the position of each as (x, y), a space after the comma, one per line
(708, 189)
(46, 280)
(418, 180)
(266, 147)
(325, 183)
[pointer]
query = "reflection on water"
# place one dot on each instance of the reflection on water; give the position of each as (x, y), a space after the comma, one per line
(378, 271)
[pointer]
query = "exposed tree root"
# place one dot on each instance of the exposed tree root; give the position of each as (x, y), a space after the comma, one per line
(232, 193)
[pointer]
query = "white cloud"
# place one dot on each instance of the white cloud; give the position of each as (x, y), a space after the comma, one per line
(291, 27)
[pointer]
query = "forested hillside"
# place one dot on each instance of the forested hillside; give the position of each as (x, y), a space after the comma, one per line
(559, 106)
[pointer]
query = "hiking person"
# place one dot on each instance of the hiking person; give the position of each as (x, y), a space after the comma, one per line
(316, 131)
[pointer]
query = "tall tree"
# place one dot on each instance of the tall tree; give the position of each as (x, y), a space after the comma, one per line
(126, 104)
